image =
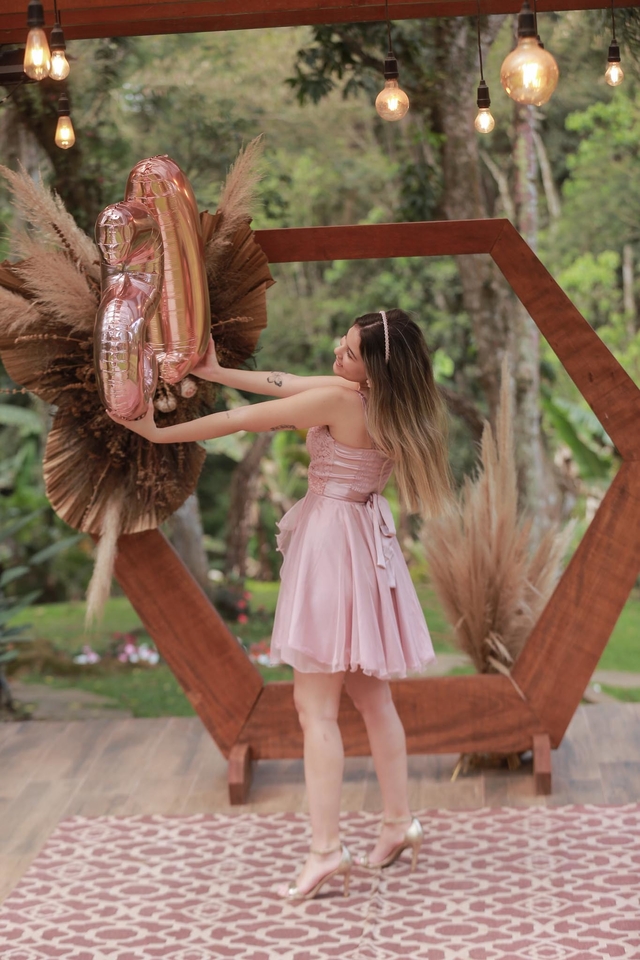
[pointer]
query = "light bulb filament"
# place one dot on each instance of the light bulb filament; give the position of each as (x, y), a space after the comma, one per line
(392, 102)
(65, 136)
(614, 74)
(531, 76)
(37, 58)
(484, 122)
(59, 65)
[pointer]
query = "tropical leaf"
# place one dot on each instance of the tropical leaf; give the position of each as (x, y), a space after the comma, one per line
(591, 465)
(8, 613)
(54, 549)
(27, 421)
(13, 528)
(8, 576)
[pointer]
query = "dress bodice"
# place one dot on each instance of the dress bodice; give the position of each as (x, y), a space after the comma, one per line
(343, 472)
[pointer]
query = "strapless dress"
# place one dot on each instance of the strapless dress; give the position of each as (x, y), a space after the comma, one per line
(346, 598)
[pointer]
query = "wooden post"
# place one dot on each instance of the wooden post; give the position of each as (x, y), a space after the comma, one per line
(542, 764)
(239, 773)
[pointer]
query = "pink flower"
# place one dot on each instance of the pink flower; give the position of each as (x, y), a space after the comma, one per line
(243, 618)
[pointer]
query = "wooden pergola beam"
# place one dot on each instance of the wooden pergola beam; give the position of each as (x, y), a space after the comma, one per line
(87, 19)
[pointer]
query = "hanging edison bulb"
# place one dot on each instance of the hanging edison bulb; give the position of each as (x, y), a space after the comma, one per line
(529, 74)
(37, 57)
(484, 122)
(59, 63)
(392, 102)
(65, 135)
(614, 74)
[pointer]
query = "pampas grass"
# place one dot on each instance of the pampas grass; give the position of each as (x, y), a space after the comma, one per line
(16, 314)
(491, 582)
(238, 199)
(58, 262)
(236, 207)
(58, 287)
(51, 222)
(100, 584)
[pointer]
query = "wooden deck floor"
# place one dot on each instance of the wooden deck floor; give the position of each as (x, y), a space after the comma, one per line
(51, 771)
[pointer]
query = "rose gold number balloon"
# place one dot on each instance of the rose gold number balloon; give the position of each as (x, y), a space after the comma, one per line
(131, 245)
(180, 335)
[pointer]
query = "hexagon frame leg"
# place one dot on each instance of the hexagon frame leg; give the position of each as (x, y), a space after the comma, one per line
(239, 773)
(542, 764)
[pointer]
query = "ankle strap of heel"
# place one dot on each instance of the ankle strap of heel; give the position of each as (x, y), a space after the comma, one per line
(396, 820)
(327, 852)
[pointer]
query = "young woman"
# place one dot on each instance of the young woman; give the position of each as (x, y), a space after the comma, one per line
(347, 610)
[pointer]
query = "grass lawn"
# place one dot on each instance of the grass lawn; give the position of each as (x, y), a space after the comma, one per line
(154, 691)
(623, 650)
(146, 691)
(629, 695)
(63, 623)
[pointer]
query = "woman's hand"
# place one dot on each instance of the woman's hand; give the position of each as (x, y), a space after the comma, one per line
(208, 367)
(145, 426)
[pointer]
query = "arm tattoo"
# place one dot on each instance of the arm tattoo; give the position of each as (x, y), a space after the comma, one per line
(275, 377)
(283, 426)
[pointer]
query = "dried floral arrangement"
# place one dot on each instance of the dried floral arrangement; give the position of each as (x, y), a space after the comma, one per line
(100, 478)
(492, 583)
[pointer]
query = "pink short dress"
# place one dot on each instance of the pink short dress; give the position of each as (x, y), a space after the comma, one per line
(346, 598)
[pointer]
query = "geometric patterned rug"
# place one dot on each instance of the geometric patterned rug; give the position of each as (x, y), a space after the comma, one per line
(534, 883)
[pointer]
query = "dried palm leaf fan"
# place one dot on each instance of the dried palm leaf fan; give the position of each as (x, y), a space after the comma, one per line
(100, 478)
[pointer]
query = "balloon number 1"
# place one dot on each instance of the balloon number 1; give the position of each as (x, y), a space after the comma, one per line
(154, 313)
(126, 368)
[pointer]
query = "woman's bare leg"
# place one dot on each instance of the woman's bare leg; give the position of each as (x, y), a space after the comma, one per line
(317, 699)
(372, 698)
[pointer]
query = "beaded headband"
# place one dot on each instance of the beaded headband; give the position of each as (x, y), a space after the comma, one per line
(385, 324)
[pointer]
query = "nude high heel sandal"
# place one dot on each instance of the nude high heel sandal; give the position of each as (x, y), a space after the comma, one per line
(414, 835)
(342, 870)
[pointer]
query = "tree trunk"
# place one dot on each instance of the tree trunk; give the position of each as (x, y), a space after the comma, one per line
(245, 484)
(540, 493)
(498, 322)
(186, 535)
(628, 291)
(484, 291)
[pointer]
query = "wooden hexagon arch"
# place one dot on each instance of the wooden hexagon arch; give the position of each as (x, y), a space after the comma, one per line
(250, 720)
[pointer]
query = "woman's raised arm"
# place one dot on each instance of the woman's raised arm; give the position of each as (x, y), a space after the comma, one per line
(270, 384)
(309, 409)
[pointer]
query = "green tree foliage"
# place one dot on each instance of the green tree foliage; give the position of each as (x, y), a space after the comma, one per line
(15, 568)
(330, 160)
(602, 193)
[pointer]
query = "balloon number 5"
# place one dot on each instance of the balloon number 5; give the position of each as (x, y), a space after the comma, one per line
(154, 312)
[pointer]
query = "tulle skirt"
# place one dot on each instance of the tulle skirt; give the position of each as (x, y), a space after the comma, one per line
(346, 599)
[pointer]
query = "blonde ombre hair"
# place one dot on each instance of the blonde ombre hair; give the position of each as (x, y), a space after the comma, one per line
(406, 417)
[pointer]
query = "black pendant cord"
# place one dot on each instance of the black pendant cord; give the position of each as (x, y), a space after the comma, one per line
(479, 44)
(13, 89)
(386, 14)
(613, 24)
(535, 17)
